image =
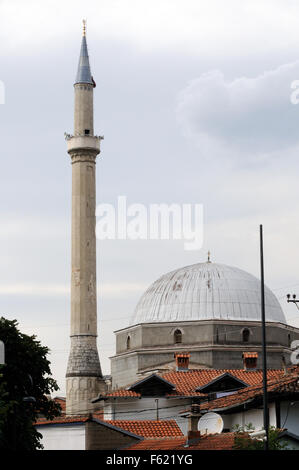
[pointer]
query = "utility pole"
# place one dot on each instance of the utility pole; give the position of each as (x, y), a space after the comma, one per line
(266, 411)
(2, 353)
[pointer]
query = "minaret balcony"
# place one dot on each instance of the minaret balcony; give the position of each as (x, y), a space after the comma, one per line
(86, 142)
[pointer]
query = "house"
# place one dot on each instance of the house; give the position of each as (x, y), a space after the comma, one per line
(191, 442)
(92, 433)
(157, 407)
(289, 439)
(166, 396)
(245, 406)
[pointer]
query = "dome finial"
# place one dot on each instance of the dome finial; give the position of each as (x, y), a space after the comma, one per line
(209, 256)
(84, 27)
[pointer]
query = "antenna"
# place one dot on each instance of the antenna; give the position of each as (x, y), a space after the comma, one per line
(210, 423)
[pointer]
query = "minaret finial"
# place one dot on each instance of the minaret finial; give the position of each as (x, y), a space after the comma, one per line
(209, 256)
(84, 27)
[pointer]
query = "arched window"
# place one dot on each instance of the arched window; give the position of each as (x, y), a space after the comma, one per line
(128, 342)
(245, 335)
(177, 336)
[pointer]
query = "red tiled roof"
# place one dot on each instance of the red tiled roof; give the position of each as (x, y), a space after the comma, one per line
(284, 383)
(187, 382)
(61, 402)
(62, 420)
(224, 441)
(149, 428)
(99, 415)
(143, 428)
(159, 444)
(123, 393)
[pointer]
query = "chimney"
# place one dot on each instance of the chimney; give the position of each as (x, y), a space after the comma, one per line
(193, 418)
(250, 360)
(182, 361)
(193, 437)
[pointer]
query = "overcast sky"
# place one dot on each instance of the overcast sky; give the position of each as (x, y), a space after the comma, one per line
(193, 99)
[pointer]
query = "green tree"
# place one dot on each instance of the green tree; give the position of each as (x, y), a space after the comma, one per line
(25, 380)
(244, 442)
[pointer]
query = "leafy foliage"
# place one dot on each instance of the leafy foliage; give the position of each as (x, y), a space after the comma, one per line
(244, 442)
(25, 375)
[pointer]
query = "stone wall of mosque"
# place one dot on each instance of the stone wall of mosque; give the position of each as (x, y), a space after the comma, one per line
(217, 344)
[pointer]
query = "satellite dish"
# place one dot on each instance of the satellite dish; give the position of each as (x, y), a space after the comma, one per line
(210, 423)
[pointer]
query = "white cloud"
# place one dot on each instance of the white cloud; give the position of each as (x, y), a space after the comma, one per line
(241, 118)
(207, 25)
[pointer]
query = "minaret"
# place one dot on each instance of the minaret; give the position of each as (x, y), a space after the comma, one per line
(84, 379)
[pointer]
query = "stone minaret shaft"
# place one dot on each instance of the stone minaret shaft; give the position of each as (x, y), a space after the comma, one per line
(84, 377)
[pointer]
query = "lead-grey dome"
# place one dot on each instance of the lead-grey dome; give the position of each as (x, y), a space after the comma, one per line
(206, 291)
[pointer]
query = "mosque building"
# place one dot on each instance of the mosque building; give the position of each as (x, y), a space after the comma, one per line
(207, 312)
(194, 338)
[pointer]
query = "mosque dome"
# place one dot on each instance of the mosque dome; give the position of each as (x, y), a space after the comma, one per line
(206, 291)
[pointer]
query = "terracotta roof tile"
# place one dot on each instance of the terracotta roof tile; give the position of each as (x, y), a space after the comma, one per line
(143, 428)
(61, 402)
(224, 441)
(123, 393)
(62, 420)
(149, 428)
(98, 415)
(283, 383)
(187, 382)
(159, 444)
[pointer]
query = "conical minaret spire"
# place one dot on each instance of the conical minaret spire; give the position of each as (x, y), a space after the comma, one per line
(83, 72)
(84, 379)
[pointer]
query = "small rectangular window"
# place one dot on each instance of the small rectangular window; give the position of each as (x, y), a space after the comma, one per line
(87, 131)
